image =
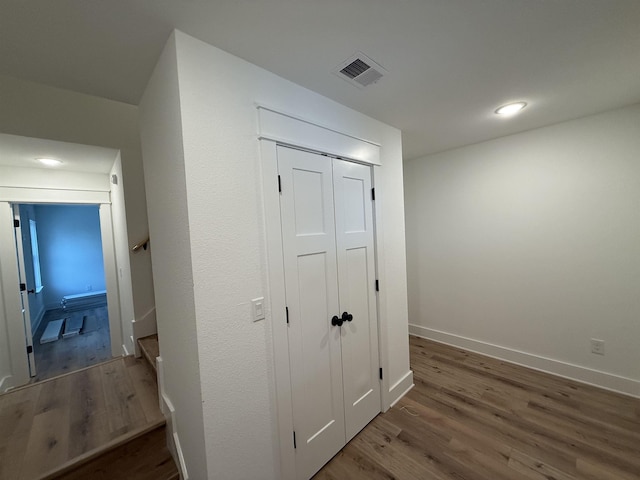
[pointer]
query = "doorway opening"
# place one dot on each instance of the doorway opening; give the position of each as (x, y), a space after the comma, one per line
(91, 178)
(62, 267)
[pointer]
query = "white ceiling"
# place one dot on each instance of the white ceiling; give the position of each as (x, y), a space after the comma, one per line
(450, 62)
(17, 151)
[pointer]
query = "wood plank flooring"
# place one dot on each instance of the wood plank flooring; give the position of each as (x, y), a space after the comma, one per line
(46, 425)
(476, 418)
(90, 347)
(144, 458)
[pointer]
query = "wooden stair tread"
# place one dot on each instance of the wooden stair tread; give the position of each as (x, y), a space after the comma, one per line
(150, 349)
(143, 458)
(53, 426)
(105, 449)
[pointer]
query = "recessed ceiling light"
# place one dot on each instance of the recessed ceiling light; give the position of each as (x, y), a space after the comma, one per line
(510, 109)
(49, 162)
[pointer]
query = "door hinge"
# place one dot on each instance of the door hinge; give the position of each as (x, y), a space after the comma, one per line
(287, 312)
(16, 223)
(377, 285)
(294, 439)
(23, 287)
(29, 349)
(279, 184)
(373, 194)
(380, 373)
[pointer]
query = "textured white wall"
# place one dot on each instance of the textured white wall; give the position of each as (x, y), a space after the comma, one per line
(532, 242)
(218, 93)
(161, 135)
(34, 110)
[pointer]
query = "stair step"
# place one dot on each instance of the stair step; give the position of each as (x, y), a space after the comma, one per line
(150, 349)
(74, 422)
(92, 455)
(145, 457)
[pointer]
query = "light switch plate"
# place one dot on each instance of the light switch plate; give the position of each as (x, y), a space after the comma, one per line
(597, 346)
(257, 305)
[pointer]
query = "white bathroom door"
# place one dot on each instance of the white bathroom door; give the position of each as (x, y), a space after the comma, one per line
(311, 283)
(327, 234)
(357, 291)
(24, 290)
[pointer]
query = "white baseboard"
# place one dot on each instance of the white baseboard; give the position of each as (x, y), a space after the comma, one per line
(608, 381)
(143, 327)
(6, 383)
(169, 412)
(400, 388)
(39, 318)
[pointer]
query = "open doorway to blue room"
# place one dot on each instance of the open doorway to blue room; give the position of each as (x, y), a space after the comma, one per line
(65, 281)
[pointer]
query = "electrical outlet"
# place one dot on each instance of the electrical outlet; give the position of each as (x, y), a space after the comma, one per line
(597, 346)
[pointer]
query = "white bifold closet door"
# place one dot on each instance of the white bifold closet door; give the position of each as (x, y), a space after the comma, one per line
(327, 233)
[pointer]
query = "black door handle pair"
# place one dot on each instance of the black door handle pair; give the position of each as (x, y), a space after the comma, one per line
(346, 317)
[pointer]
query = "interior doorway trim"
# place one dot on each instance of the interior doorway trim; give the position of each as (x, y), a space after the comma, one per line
(9, 269)
(52, 195)
(290, 130)
(275, 129)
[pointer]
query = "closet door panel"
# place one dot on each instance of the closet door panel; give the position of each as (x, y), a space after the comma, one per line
(308, 235)
(356, 280)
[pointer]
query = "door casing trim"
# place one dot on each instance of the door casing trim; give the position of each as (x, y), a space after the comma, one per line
(9, 271)
(296, 136)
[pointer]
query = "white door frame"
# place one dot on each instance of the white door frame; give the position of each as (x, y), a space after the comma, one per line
(22, 270)
(9, 268)
(285, 129)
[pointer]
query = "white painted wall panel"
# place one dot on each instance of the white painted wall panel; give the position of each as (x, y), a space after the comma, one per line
(532, 243)
(161, 134)
(218, 96)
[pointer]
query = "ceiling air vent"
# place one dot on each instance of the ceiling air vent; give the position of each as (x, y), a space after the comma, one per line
(360, 70)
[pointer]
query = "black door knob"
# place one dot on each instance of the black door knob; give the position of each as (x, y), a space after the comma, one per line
(336, 321)
(31, 291)
(346, 317)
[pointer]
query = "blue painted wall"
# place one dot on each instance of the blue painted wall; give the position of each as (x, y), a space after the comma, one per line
(70, 250)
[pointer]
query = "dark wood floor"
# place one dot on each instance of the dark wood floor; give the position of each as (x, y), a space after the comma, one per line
(90, 347)
(144, 458)
(476, 418)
